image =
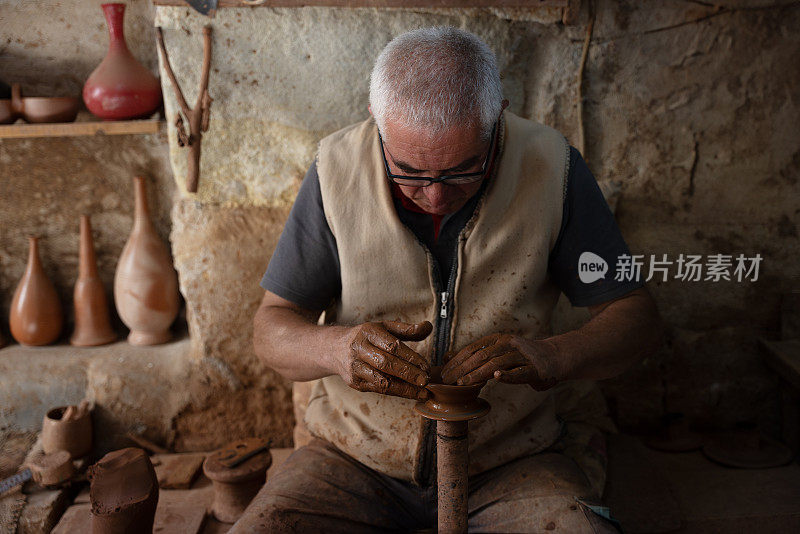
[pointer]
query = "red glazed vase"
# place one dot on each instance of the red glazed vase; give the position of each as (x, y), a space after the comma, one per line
(35, 317)
(120, 87)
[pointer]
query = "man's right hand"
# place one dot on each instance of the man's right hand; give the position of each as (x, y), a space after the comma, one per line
(380, 362)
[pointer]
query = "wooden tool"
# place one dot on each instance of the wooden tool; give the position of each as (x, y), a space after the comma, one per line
(48, 470)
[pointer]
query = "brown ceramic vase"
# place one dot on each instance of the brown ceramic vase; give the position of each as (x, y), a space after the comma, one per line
(35, 315)
(145, 283)
(92, 322)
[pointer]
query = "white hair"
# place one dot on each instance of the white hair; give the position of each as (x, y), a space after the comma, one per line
(436, 78)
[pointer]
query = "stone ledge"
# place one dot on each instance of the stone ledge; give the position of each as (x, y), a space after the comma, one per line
(126, 383)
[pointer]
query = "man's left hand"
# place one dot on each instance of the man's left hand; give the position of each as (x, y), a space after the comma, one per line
(506, 357)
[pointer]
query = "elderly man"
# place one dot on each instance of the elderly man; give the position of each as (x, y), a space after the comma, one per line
(442, 230)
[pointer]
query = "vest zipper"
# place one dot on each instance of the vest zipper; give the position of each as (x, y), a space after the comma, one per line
(443, 323)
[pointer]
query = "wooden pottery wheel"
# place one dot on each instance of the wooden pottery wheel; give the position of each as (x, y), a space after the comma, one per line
(451, 402)
(746, 447)
(237, 471)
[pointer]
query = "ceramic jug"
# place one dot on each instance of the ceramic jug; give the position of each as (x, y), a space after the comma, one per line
(92, 322)
(145, 283)
(120, 87)
(35, 315)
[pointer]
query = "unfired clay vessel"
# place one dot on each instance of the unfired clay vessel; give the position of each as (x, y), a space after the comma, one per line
(123, 493)
(450, 402)
(92, 322)
(120, 87)
(35, 316)
(235, 487)
(52, 470)
(68, 428)
(145, 284)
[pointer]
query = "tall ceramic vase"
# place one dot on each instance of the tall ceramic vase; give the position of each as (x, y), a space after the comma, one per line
(92, 322)
(145, 284)
(35, 316)
(120, 87)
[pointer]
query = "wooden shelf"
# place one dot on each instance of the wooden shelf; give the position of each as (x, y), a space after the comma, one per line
(73, 129)
(376, 3)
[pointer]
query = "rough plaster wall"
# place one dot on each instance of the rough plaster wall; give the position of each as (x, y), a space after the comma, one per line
(689, 114)
(221, 253)
(699, 122)
(281, 79)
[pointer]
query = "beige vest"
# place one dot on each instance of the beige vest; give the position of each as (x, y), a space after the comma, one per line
(502, 285)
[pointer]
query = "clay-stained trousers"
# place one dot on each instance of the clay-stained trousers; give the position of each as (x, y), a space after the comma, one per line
(321, 489)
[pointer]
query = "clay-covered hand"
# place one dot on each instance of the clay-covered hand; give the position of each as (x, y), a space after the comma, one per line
(379, 361)
(506, 357)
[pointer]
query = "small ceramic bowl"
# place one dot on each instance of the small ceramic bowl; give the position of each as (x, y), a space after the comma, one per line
(50, 109)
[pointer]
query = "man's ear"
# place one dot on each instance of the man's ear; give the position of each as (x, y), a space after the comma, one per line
(369, 108)
(503, 104)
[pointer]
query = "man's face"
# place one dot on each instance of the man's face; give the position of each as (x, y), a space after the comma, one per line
(414, 153)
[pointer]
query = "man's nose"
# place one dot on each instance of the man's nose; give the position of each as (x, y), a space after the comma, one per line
(435, 193)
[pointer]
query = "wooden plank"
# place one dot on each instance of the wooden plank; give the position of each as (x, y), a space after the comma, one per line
(377, 3)
(74, 129)
(177, 471)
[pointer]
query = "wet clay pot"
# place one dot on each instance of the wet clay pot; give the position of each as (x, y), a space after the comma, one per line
(35, 315)
(120, 87)
(68, 428)
(92, 321)
(235, 487)
(452, 402)
(145, 283)
(123, 493)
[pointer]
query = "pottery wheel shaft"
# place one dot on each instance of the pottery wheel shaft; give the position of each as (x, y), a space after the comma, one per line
(452, 407)
(452, 463)
(235, 487)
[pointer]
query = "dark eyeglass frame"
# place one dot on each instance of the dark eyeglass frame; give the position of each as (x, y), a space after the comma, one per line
(447, 179)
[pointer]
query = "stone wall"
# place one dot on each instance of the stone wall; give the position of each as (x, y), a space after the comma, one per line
(690, 115)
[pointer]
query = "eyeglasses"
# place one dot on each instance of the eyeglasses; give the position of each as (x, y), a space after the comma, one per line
(448, 179)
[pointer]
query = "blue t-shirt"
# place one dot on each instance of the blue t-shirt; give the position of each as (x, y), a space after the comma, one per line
(304, 268)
